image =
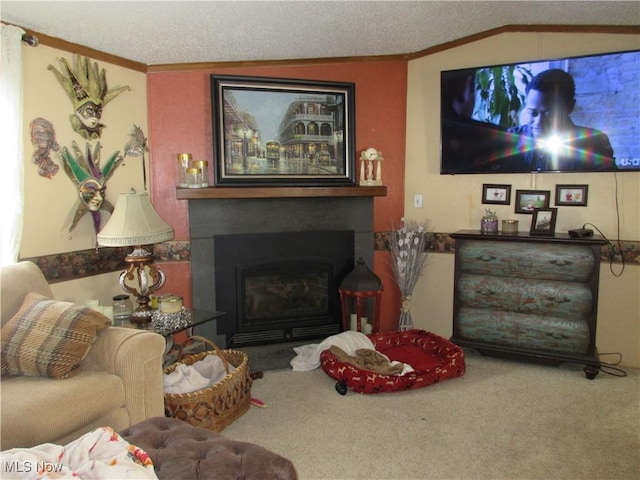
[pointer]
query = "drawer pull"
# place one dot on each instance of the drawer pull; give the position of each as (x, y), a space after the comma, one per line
(486, 292)
(561, 263)
(557, 299)
(557, 335)
(485, 258)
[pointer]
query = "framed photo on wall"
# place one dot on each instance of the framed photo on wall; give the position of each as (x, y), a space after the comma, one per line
(276, 131)
(543, 221)
(528, 200)
(496, 194)
(572, 195)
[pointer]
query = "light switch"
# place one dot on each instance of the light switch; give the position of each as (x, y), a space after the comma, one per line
(417, 200)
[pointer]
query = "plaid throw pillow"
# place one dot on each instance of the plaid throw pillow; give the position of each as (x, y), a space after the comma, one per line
(49, 338)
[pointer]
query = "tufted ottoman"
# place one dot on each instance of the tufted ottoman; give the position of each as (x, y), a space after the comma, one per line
(181, 451)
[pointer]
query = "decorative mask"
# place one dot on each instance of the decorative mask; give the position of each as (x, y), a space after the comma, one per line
(136, 147)
(43, 137)
(90, 180)
(86, 87)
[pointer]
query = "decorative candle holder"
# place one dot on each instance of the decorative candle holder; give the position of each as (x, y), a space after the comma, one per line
(489, 223)
(509, 226)
(184, 163)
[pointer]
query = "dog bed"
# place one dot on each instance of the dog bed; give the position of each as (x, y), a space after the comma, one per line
(433, 358)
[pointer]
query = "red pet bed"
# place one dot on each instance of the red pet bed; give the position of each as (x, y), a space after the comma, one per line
(434, 359)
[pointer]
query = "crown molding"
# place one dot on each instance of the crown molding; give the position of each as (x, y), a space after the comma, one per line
(76, 48)
(616, 29)
(141, 67)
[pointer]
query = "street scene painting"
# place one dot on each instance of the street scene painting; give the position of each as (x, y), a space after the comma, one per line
(271, 131)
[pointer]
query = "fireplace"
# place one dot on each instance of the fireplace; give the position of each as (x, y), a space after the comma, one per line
(216, 225)
(278, 287)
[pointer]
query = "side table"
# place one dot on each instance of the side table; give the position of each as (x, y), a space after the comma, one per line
(198, 317)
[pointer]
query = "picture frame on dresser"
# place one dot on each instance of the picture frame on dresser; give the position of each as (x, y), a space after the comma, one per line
(571, 195)
(497, 194)
(282, 132)
(528, 200)
(543, 221)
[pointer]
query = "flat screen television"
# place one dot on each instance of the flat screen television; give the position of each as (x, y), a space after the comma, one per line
(561, 115)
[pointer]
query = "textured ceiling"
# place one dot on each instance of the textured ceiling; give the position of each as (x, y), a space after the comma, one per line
(161, 32)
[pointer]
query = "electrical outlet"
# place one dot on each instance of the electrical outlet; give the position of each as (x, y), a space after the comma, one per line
(417, 201)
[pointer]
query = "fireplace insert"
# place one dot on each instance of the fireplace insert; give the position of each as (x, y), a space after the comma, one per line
(280, 287)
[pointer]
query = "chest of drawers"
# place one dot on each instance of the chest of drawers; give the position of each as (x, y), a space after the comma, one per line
(527, 297)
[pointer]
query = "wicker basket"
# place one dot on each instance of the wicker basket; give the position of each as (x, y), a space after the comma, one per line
(217, 406)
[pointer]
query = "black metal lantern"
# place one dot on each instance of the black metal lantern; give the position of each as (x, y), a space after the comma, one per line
(360, 297)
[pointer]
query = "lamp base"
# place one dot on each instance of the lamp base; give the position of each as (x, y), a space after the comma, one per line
(149, 278)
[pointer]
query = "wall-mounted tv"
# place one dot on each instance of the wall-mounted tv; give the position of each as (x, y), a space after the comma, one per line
(562, 115)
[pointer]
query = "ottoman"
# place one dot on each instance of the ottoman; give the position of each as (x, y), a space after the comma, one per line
(181, 451)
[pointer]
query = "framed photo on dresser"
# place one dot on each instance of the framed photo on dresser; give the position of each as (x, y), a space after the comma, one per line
(543, 221)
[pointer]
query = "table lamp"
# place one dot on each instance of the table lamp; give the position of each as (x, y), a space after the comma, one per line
(135, 223)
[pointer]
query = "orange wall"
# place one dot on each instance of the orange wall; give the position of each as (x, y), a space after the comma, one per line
(179, 105)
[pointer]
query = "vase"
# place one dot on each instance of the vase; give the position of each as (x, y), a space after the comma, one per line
(406, 322)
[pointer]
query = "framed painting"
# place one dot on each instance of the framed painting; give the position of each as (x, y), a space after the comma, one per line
(572, 195)
(276, 131)
(496, 194)
(528, 200)
(543, 221)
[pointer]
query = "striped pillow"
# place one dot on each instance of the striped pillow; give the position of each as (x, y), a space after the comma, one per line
(49, 338)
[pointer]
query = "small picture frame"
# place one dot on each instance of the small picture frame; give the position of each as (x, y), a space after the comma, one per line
(543, 221)
(496, 194)
(528, 200)
(572, 195)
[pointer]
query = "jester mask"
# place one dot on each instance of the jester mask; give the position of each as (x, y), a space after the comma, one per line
(90, 180)
(87, 89)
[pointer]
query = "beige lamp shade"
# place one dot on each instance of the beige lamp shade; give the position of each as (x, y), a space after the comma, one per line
(134, 222)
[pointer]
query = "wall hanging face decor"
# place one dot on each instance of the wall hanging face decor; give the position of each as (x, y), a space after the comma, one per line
(90, 180)
(136, 147)
(43, 138)
(86, 87)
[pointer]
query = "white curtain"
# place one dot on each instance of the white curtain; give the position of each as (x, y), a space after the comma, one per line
(11, 163)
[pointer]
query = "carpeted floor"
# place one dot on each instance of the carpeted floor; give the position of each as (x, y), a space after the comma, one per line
(502, 420)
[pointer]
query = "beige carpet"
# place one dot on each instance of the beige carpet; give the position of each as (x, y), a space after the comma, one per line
(501, 420)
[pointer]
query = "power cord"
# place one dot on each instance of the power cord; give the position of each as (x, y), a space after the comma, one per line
(605, 367)
(612, 251)
(611, 368)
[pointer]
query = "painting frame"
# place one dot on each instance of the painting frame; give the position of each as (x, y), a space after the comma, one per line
(528, 200)
(571, 195)
(543, 221)
(282, 132)
(496, 194)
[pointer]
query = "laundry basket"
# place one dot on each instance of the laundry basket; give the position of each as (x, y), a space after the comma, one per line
(217, 406)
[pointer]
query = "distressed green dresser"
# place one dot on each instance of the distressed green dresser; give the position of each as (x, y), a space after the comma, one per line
(528, 297)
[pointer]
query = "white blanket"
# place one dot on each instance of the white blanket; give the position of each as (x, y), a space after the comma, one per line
(190, 378)
(100, 454)
(308, 356)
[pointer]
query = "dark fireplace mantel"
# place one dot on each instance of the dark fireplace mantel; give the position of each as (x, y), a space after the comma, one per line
(278, 192)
